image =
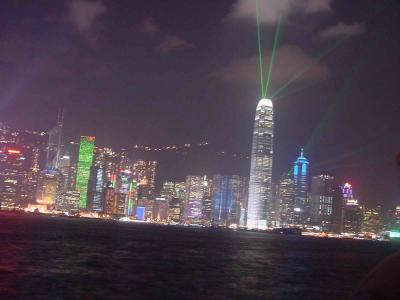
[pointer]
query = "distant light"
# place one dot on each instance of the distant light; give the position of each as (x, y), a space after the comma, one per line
(394, 234)
(297, 209)
(13, 151)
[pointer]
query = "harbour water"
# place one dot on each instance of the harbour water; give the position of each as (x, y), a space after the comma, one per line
(59, 258)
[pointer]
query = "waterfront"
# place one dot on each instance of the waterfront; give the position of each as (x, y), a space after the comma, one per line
(58, 258)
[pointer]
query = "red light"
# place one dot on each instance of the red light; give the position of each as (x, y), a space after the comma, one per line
(13, 151)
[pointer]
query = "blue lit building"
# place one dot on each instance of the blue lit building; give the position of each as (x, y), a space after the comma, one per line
(95, 189)
(229, 196)
(300, 177)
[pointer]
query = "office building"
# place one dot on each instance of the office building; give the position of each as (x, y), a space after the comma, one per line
(160, 210)
(85, 160)
(175, 210)
(322, 193)
(260, 185)
(96, 185)
(194, 199)
(372, 220)
(301, 209)
(285, 195)
(49, 188)
(11, 170)
(352, 211)
(228, 195)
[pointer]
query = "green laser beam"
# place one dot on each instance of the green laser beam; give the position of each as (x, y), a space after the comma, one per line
(273, 54)
(385, 132)
(338, 100)
(260, 51)
(306, 68)
(326, 51)
(297, 90)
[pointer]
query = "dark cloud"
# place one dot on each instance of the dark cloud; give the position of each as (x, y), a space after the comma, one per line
(83, 14)
(289, 60)
(269, 10)
(340, 29)
(16, 47)
(149, 27)
(172, 43)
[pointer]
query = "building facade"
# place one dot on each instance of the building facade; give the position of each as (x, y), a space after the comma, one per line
(285, 195)
(301, 209)
(85, 160)
(260, 184)
(322, 193)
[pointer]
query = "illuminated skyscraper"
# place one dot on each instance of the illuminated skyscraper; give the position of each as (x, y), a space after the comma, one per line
(322, 193)
(300, 176)
(260, 185)
(373, 220)
(123, 192)
(175, 210)
(286, 200)
(95, 189)
(352, 211)
(160, 210)
(144, 172)
(49, 188)
(208, 186)
(85, 161)
(168, 190)
(194, 198)
(54, 146)
(109, 199)
(11, 166)
(228, 194)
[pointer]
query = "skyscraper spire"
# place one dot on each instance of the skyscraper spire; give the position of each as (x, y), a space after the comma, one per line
(54, 146)
(60, 117)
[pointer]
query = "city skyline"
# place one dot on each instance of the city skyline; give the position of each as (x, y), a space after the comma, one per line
(105, 95)
(199, 149)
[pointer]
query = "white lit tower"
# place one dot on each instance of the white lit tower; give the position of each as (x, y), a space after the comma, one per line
(260, 185)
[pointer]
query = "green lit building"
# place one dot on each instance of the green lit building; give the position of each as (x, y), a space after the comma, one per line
(85, 161)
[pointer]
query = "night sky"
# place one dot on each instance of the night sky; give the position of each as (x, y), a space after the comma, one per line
(173, 71)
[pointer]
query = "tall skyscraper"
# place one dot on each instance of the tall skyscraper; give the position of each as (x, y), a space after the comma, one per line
(144, 172)
(70, 202)
(372, 221)
(208, 187)
(168, 190)
(322, 193)
(109, 199)
(11, 166)
(285, 196)
(54, 146)
(95, 189)
(49, 188)
(260, 185)
(228, 194)
(194, 199)
(300, 177)
(123, 192)
(352, 211)
(85, 160)
(175, 210)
